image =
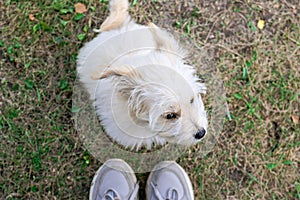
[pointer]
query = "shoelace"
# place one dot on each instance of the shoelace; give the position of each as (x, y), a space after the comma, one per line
(171, 195)
(111, 194)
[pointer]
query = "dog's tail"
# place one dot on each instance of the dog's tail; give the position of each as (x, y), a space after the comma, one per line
(118, 15)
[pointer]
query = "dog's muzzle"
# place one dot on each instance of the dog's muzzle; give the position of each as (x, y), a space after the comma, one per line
(200, 134)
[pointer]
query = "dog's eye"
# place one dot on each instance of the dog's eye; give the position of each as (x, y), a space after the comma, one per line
(171, 116)
(192, 100)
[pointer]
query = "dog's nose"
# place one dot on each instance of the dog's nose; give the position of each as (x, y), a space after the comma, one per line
(200, 134)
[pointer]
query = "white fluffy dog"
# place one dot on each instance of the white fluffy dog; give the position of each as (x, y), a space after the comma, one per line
(143, 91)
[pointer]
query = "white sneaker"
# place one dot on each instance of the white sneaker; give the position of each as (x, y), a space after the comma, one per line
(169, 181)
(114, 180)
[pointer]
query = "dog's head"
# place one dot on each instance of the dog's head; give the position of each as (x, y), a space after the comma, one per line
(170, 106)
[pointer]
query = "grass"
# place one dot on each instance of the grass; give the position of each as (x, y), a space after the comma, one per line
(257, 155)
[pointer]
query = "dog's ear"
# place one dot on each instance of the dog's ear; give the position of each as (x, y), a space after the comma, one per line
(164, 41)
(125, 79)
(130, 84)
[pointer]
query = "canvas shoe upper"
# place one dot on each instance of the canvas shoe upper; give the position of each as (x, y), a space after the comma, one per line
(168, 181)
(114, 180)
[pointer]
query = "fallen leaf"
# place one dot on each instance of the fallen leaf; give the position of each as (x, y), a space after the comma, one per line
(31, 17)
(276, 6)
(295, 119)
(80, 8)
(261, 24)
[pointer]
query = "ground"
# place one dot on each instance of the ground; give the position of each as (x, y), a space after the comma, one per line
(255, 46)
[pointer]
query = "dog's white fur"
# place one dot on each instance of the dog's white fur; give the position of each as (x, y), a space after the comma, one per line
(136, 75)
